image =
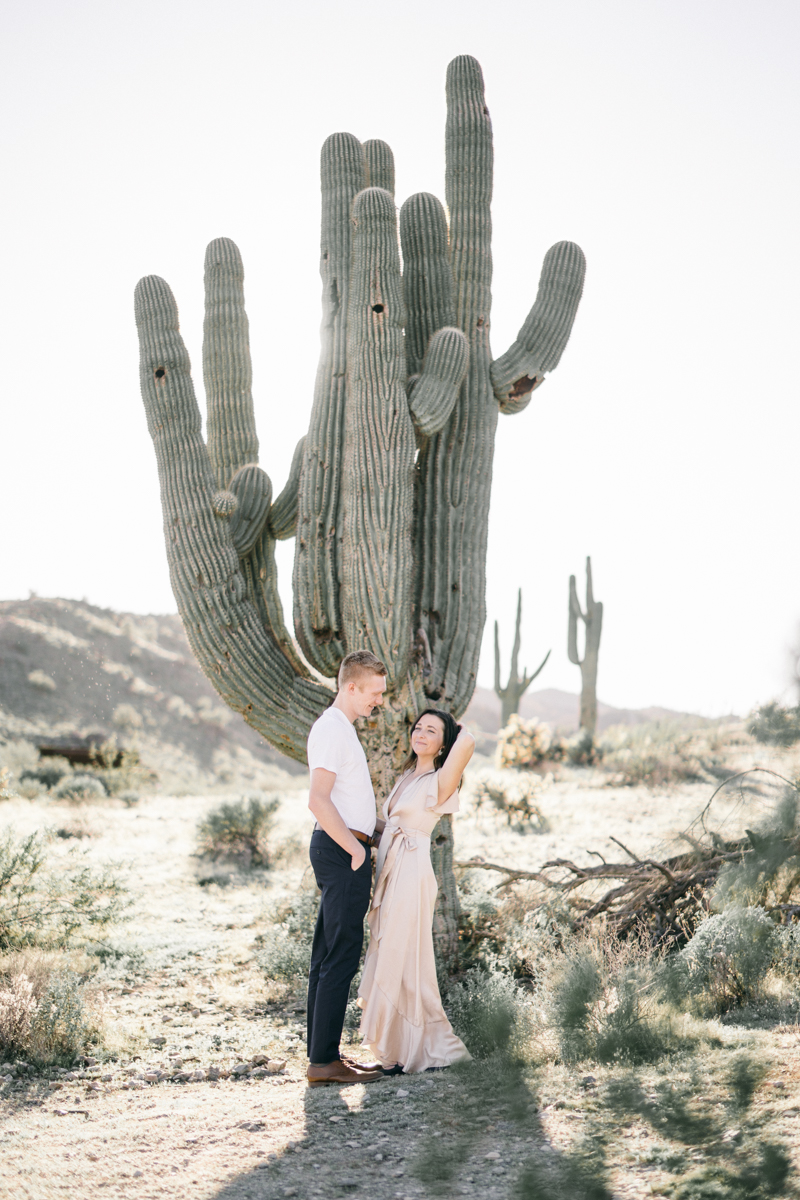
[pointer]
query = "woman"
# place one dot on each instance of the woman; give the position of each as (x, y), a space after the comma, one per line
(403, 1023)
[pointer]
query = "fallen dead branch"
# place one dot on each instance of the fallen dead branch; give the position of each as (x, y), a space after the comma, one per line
(657, 899)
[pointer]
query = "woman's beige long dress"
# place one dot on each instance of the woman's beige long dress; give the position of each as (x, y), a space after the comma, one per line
(403, 1020)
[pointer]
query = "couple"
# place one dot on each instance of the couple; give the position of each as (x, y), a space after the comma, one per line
(403, 1023)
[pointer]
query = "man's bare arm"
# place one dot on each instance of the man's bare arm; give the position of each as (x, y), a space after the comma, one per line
(328, 818)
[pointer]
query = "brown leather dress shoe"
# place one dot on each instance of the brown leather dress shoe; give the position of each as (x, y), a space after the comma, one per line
(338, 1072)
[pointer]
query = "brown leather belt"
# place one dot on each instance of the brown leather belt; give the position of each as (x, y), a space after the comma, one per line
(362, 837)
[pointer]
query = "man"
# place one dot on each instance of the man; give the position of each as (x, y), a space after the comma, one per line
(343, 803)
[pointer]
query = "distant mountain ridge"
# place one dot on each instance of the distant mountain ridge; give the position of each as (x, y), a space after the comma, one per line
(560, 710)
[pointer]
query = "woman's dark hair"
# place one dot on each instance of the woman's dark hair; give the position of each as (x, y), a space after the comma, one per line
(451, 731)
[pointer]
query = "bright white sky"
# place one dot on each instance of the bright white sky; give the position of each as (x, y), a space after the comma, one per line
(659, 134)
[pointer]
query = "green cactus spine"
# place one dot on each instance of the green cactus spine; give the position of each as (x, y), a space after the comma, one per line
(593, 624)
(388, 494)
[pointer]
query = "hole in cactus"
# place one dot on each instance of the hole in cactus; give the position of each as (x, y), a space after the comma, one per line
(378, 308)
(160, 372)
(523, 386)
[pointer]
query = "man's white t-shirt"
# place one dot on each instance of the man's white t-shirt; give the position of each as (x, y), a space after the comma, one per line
(333, 745)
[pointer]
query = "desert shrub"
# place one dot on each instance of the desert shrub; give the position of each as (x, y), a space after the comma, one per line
(511, 794)
(581, 749)
(46, 903)
(603, 1003)
(487, 1010)
(80, 787)
(43, 1011)
(770, 868)
(656, 753)
(18, 755)
(285, 948)
(526, 743)
(48, 773)
(726, 962)
(774, 725)
(238, 829)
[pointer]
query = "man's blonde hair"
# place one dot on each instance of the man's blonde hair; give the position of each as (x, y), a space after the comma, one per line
(358, 664)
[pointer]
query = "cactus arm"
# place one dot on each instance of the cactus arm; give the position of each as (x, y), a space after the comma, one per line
(527, 679)
(379, 165)
(455, 466)
(283, 514)
(546, 329)
(517, 638)
(427, 278)
(241, 658)
(589, 589)
(252, 488)
(572, 631)
(379, 445)
(435, 391)
(227, 371)
(317, 605)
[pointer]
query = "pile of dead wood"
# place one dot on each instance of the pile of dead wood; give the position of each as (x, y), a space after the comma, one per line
(659, 901)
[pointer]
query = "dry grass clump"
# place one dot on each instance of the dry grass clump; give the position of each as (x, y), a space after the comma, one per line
(46, 1012)
(238, 830)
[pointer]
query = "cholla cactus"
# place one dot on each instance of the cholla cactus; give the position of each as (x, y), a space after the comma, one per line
(510, 794)
(388, 494)
(525, 743)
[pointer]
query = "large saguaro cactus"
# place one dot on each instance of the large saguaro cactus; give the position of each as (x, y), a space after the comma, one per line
(388, 494)
(593, 625)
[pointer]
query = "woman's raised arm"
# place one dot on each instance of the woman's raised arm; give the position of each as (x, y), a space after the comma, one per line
(450, 774)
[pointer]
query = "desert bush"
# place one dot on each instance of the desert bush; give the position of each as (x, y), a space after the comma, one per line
(49, 774)
(43, 1011)
(285, 948)
(238, 829)
(52, 903)
(512, 795)
(79, 787)
(774, 725)
(18, 755)
(487, 1010)
(726, 962)
(526, 743)
(603, 1002)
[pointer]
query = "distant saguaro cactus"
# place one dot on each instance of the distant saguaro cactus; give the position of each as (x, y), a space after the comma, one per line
(515, 689)
(593, 622)
(388, 494)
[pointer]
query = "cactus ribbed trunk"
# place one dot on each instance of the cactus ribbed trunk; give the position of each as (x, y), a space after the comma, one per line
(388, 493)
(593, 623)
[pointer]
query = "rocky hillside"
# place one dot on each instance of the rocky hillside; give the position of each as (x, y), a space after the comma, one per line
(69, 668)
